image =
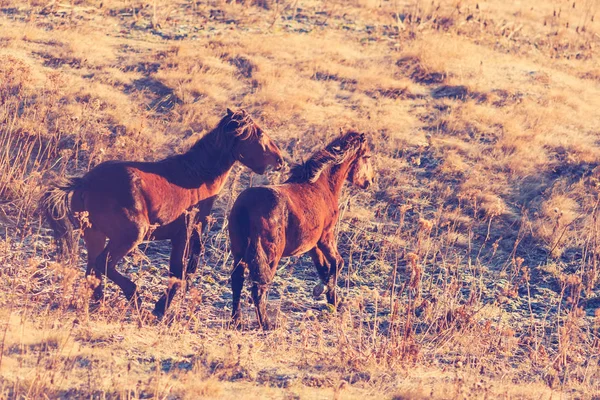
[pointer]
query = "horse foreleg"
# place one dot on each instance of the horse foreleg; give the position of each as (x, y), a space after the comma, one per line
(195, 248)
(322, 269)
(336, 263)
(195, 243)
(94, 242)
(175, 273)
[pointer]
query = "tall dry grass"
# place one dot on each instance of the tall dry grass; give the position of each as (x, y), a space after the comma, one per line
(471, 268)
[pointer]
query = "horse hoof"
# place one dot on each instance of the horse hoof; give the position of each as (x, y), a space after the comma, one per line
(98, 294)
(319, 289)
(160, 308)
(158, 314)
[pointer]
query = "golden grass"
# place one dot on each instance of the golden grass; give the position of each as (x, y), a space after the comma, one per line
(472, 267)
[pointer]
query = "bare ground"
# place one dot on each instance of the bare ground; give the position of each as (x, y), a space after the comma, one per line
(471, 267)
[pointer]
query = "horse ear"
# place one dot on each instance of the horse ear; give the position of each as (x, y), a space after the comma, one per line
(229, 112)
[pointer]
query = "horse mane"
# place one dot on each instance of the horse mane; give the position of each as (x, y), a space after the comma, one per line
(335, 153)
(234, 126)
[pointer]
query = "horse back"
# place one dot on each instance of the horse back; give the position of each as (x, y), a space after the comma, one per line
(310, 211)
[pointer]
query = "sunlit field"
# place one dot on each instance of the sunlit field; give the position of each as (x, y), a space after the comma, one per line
(471, 267)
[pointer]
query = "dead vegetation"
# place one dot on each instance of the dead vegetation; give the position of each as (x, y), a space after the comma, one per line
(472, 268)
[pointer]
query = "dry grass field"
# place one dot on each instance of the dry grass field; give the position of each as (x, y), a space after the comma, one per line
(472, 267)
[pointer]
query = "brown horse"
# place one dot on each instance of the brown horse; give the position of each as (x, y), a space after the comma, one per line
(271, 222)
(128, 202)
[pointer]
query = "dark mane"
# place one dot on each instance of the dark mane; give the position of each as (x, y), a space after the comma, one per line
(199, 161)
(235, 125)
(334, 153)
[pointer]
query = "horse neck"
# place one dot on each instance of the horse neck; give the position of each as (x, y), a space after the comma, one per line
(208, 161)
(336, 176)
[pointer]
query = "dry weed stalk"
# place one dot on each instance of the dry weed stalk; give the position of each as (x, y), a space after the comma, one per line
(451, 232)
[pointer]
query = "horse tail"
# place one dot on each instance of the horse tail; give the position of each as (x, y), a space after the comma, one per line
(54, 205)
(257, 262)
(252, 257)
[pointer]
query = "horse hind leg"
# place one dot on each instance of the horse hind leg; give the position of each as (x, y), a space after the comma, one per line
(175, 273)
(95, 241)
(259, 296)
(107, 261)
(237, 285)
(261, 273)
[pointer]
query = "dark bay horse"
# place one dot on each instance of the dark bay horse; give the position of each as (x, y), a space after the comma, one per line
(128, 202)
(270, 222)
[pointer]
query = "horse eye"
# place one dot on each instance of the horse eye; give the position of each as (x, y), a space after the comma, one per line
(367, 156)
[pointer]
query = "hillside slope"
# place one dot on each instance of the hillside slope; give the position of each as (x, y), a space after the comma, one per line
(472, 266)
